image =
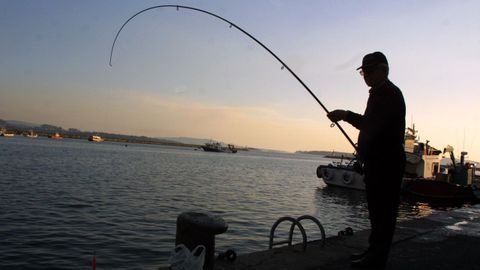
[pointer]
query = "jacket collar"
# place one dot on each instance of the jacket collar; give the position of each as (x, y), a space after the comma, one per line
(378, 88)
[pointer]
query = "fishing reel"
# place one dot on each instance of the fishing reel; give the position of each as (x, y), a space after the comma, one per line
(358, 167)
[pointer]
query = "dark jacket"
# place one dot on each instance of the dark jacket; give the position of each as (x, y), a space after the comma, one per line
(382, 126)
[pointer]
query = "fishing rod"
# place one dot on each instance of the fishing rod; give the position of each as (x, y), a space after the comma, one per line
(249, 35)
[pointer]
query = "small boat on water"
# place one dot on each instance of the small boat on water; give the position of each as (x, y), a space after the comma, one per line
(55, 136)
(5, 133)
(30, 134)
(219, 148)
(95, 138)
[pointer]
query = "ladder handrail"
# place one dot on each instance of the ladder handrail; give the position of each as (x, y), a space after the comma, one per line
(289, 241)
(314, 219)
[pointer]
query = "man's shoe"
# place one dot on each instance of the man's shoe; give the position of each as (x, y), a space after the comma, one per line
(370, 261)
(358, 256)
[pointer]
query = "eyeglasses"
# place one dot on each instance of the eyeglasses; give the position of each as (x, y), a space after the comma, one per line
(367, 70)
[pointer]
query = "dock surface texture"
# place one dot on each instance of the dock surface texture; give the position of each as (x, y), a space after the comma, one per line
(443, 240)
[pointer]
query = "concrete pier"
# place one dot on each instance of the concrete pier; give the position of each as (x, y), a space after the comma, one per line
(444, 240)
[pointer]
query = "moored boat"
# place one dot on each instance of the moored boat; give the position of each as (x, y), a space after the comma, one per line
(30, 134)
(5, 133)
(452, 183)
(95, 138)
(422, 161)
(341, 175)
(425, 177)
(438, 191)
(219, 148)
(424, 172)
(55, 136)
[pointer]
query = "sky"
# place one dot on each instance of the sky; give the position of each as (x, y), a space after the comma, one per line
(184, 73)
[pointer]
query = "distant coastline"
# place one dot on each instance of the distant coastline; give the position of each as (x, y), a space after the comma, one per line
(44, 130)
(329, 154)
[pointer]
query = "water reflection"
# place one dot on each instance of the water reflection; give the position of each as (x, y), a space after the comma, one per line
(410, 208)
(339, 208)
(342, 196)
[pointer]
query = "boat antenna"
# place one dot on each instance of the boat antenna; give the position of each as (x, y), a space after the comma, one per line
(231, 24)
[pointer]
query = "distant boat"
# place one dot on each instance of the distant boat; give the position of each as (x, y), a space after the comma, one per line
(219, 148)
(4, 133)
(55, 136)
(31, 134)
(341, 156)
(95, 138)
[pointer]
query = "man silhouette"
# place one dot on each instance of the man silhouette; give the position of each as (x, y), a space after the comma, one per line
(380, 149)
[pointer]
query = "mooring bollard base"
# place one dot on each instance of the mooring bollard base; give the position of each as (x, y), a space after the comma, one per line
(195, 229)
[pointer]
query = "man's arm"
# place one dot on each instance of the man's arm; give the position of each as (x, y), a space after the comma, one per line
(352, 118)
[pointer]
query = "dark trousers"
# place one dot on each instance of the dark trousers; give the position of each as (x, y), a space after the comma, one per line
(383, 178)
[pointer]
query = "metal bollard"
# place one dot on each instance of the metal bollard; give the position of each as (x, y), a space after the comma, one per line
(195, 229)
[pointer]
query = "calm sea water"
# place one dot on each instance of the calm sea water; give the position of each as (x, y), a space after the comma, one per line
(63, 200)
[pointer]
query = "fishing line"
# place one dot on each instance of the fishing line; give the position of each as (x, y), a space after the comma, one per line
(231, 24)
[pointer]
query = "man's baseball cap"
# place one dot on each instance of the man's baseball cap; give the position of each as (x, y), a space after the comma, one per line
(373, 59)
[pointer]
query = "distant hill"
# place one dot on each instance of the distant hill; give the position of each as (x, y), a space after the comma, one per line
(24, 124)
(20, 127)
